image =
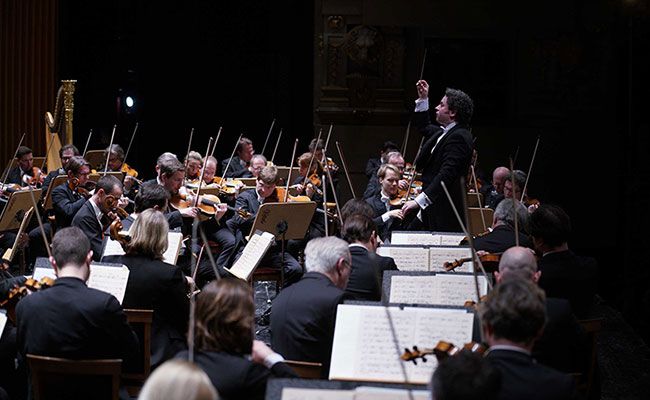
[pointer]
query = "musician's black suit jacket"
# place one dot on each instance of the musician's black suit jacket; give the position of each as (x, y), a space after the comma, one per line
(448, 163)
(71, 320)
(367, 274)
(236, 377)
(384, 229)
(86, 220)
(501, 239)
(303, 318)
(158, 286)
(523, 378)
(572, 277)
(246, 201)
(235, 169)
(562, 344)
(66, 205)
(15, 175)
(373, 188)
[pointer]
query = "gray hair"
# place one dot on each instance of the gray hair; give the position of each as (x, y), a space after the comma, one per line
(322, 254)
(518, 262)
(260, 156)
(391, 154)
(504, 213)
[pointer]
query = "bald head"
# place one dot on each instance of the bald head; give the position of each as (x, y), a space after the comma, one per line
(499, 177)
(518, 262)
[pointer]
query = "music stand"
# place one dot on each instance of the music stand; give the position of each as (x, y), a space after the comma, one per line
(283, 173)
(47, 201)
(11, 252)
(96, 158)
(17, 205)
(97, 176)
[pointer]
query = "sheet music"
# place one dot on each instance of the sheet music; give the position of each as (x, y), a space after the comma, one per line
(449, 239)
(42, 272)
(378, 393)
(365, 348)
(455, 289)
(252, 254)
(289, 393)
(415, 238)
(412, 289)
(407, 258)
(109, 278)
(170, 256)
(3, 320)
(438, 256)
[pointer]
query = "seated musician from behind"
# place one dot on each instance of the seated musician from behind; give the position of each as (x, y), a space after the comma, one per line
(559, 345)
(97, 213)
(193, 163)
(251, 200)
(513, 318)
(367, 266)
(155, 285)
(374, 163)
(150, 196)
(374, 186)
(494, 193)
(25, 164)
(67, 199)
(238, 167)
(304, 314)
(465, 376)
(564, 274)
(386, 217)
(224, 327)
(116, 164)
(178, 379)
(65, 153)
(71, 320)
(502, 237)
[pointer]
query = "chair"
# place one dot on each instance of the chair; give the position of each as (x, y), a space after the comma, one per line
(474, 199)
(476, 218)
(49, 377)
(140, 321)
(591, 327)
(305, 369)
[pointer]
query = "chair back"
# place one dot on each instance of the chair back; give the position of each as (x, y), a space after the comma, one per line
(140, 321)
(592, 328)
(58, 378)
(477, 216)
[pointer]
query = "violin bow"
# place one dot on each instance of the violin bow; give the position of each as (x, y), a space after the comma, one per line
(108, 153)
(90, 134)
(187, 155)
(198, 190)
(20, 143)
(40, 223)
(293, 155)
(408, 126)
(267, 136)
(336, 201)
(214, 146)
(223, 175)
(530, 169)
(327, 143)
(313, 154)
(345, 169)
(478, 196)
(128, 150)
(413, 173)
(325, 206)
(191, 330)
(276, 147)
(514, 202)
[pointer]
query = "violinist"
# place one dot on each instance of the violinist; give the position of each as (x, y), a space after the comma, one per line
(313, 182)
(494, 192)
(24, 167)
(387, 217)
(503, 236)
(238, 167)
(257, 163)
(116, 164)
(68, 199)
(317, 147)
(65, 153)
(374, 187)
(466, 376)
(250, 201)
(97, 213)
(193, 163)
(171, 177)
(511, 189)
(210, 170)
(373, 164)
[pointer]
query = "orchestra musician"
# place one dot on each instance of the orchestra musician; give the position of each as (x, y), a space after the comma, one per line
(68, 199)
(65, 153)
(150, 196)
(224, 338)
(116, 164)
(25, 166)
(210, 170)
(374, 187)
(193, 163)
(258, 161)
(387, 218)
(503, 235)
(95, 214)
(373, 164)
(495, 193)
(155, 285)
(466, 376)
(444, 157)
(238, 167)
(178, 379)
(170, 176)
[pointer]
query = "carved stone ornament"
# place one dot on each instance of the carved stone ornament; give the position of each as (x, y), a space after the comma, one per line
(363, 44)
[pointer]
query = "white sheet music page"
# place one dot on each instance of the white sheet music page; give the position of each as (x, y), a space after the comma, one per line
(290, 393)
(3, 320)
(438, 256)
(252, 254)
(412, 289)
(378, 393)
(415, 238)
(407, 258)
(449, 238)
(109, 278)
(365, 348)
(174, 240)
(455, 289)
(41, 272)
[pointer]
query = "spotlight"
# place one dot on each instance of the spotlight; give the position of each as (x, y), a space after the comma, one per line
(129, 101)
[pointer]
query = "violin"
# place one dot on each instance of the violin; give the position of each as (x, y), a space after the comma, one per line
(442, 350)
(128, 171)
(228, 186)
(402, 195)
(73, 184)
(18, 292)
(472, 303)
(278, 197)
(207, 205)
(116, 234)
(478, 235)
(490, 262)
(331, 165)
(35, 179)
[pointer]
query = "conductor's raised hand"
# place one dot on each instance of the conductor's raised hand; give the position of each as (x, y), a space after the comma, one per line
(423, 89)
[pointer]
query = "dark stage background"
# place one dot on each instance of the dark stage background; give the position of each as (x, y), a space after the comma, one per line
(573, 72)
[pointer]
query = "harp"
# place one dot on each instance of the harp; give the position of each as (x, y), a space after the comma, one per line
(59, 124)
